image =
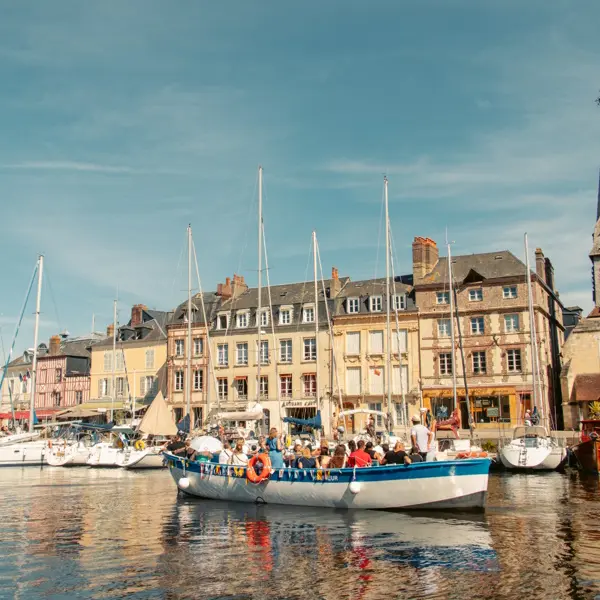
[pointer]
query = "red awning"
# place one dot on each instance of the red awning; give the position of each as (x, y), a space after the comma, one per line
(24, 414)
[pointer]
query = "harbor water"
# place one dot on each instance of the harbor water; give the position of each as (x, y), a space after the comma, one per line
(87, 533)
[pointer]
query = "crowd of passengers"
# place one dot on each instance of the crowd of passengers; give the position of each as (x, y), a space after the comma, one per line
(354, 454)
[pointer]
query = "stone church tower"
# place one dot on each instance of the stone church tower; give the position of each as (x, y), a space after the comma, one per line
(595, 256)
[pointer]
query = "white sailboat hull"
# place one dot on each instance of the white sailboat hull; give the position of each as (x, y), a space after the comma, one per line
(23, 454)
(544, 456)
(103, 455)
(436, 485)
(71, 455)
(140, 459)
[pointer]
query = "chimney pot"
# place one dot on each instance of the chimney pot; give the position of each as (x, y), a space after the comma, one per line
(55, 345)
(540, 264)
(110, 331)
(425, 257)
(334, 273)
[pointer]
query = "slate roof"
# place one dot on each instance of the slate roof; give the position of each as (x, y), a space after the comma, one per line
(490, 265)
(153, 321)
(211, 300)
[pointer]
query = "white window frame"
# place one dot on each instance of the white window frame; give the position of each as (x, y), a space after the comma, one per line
(479, 366)
(288, 392)
(120, 386)
(179, 347)
(107, 361)
(476, 295)
(475, 326)
(198, 380)
(445, 359)
(227, 316)
(308, 311)
(309, 385)
(242, 319)
(264, 386)
(177, 384)
(288, 318)
(264, 352)
(198, 346)
(309, 349)
(444, 331)
(285, 357)
(265, 317)
(78, 397)
(104, 387)
(240, 395)
(377, 406)
(510, 292)
(223, 355)
(119, 360)
(353, 305)
(517, 356)
(241, 353)
(510, 319)
(399, 302)
(222, 388)
(149, 358)
(375, 303)
(442, 297)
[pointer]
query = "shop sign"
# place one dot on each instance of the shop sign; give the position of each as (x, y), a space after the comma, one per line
(299, 404)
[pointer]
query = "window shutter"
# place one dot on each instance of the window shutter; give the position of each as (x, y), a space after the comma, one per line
(353, 342)
(376, 342)
(376, 380)
(403, 334)
(142, 386)
(100, 388)
(353, 375)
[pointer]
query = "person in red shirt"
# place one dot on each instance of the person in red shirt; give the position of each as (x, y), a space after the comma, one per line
(360, 457)
(351, 450)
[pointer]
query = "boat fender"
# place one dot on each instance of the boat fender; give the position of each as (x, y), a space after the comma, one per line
(50, 444)
(354, 487)
(184, 483)
(139, 445)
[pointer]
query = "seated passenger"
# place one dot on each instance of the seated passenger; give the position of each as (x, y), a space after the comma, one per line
(413, 457)
(351, 451)
(339, 458)
(361, 458)
(306, 461)
(189, 452)
(174, 445)
(225, 454)
(324, 459)
(370, 450)
(395, 456)
(238, 457)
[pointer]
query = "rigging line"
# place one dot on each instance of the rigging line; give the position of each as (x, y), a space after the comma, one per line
(381, 213)
(301, 315)
(207, 332)
(251, 207)
(183, 245)
(51, 290)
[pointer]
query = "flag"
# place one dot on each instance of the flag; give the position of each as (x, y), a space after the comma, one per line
(377, 372)
(35, 419)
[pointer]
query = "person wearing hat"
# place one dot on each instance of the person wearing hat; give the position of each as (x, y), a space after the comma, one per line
(420, 436)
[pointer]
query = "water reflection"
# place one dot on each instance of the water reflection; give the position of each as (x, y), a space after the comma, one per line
(111, 533)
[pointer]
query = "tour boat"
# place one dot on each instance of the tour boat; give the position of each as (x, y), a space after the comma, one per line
(587, 452)
(427, 485)
(532, 448)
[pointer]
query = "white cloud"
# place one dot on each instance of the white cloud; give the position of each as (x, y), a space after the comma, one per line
(68, 166)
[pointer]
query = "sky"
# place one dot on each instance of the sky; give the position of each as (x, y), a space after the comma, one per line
(123, 121)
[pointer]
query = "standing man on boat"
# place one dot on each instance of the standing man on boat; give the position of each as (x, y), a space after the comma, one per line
(420, 436)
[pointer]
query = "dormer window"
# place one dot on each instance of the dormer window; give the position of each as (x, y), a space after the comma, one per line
(375, 304)
(353, 305)
(476, 295)
(242, 319)
(265, 317)
(222, 321)
(308, 314)
(399, 301)
(285, 316)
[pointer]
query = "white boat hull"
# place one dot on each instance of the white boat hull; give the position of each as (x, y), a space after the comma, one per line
(140, 459)
(547, 457)
(23, 454)
(436, 485)
(71, 455)
(103, 455)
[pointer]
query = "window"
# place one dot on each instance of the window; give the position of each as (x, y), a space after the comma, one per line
(285, 382)
(477, 325)
(56, 398)
(310, 349)
(401, 334)
(198, 346)
(108, 361)
(119, 360)
(353, 381)
(378, 418)
(198, 380)
(24, 385)
(375, 303)
(264, 318)
(511, 323)
(179, 347)
(442, 297)
(513, 358)
(103, 388)
(222, 355)
(264, 386)
(353, 305)
(149, 359)
(285, 351)
(376, 380)
(353, 343)
(476, 295)
(178, 381)
(310, 385)
(78, 397)
(58, 374)
(491, 409)
(242, 320)
(222, 321)
(120, 385)
(444, 327)
(398, 386)
(509, 291)
(399, 302)
(285, 316)
(241, 356)
(479, 363)
(308, 314)
(241, 388)
(264, 352)
(222, 388)
(376, 342)
(446, 363)
(149, 384)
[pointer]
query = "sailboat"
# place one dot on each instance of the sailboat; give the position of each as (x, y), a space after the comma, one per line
(433, 485)
(25, 449)
(531, 447)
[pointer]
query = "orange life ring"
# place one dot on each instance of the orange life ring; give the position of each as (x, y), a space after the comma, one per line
(49, 443)
(252, 475)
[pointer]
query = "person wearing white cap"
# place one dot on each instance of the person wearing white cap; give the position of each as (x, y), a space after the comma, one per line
(420, 437)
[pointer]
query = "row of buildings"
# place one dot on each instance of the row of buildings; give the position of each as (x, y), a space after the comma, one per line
(325, 353)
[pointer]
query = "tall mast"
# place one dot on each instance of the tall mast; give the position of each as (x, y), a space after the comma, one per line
(537, 399)
(317, 382)
(259, 305)
(35, 342)
(452, 338)
(188, 377)
(114, 360)
(388, 366)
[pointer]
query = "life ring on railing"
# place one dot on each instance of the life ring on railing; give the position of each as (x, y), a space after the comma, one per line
(140, 445)
(252, 475)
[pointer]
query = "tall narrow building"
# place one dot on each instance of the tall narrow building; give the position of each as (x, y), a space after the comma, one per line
(595, 256)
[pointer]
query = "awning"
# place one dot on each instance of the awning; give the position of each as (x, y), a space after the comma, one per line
(77, 412)
(244, 377)
(24, 414)
(117, 405)
(240, 416)
(315, 422)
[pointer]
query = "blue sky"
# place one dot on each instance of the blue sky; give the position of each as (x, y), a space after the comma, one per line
(122, 121)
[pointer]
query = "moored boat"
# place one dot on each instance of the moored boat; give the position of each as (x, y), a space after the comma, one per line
(587, 452)
(23, 454)
(531, 448)
(428, 485)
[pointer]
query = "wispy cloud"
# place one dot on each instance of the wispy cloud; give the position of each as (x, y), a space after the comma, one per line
(70, 166)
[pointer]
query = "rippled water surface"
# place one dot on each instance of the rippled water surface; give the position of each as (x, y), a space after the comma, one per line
(81, 533)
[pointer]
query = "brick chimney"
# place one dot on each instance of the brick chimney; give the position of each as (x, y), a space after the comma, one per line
(336, 284)
(137, 314)
(425, 257)
(110, 331)
(540, 264)
(54, 345)
(232, 289)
